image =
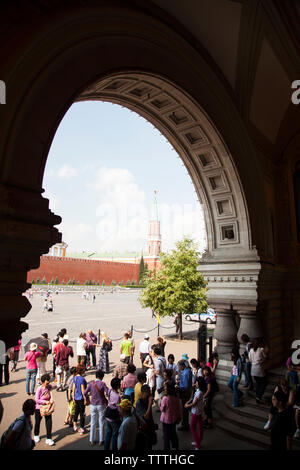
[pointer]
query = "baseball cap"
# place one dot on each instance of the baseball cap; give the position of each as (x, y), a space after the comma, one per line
(146, 336)
(185, 357)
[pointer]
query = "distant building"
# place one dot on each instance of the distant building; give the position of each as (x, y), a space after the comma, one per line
(59, 249)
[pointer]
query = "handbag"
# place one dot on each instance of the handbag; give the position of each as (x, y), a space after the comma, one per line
(58, 370)
(71, 407)
(47, 410)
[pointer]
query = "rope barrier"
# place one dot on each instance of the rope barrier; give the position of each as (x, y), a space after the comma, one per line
(148, 331)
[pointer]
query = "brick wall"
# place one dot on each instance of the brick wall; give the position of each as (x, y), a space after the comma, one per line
(83, 270)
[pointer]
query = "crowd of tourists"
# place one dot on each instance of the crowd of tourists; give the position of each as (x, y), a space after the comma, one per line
(181, 389)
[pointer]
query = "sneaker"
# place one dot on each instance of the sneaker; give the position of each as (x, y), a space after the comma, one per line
(49, 442)
(75, 428)
(81, 431)
(297, 434)
(36, 439)
(267, 426)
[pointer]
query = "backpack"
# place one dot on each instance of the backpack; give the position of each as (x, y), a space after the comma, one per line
(6, 433)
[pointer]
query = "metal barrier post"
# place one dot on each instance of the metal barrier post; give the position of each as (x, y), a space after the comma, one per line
(99, 332)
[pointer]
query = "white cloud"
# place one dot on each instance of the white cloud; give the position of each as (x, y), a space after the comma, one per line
(79, 237)
(66, 172)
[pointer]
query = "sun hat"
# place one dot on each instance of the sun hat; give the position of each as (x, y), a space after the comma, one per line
(146, 336)
(33, 346)
(122, 357)
(126, 405)
(185, 357)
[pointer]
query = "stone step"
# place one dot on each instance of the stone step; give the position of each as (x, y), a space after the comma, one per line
(245, 422)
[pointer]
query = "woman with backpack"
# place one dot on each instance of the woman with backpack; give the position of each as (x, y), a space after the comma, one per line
(103, 355)
(97, 390)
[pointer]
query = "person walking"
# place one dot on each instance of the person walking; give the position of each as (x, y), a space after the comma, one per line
(185, 391)
(235, 378)
(126, 348)
(171, 414)
(91, 340)
(79, 386)
(246, 363)
(257, 356)
(43, 396)
(81, 349)
(144, 350)
(112, 415)
(31, 367)
(62, 364)
(98, 391)
(18, 436)
(103, 355)
(15, 356)
(196, 405)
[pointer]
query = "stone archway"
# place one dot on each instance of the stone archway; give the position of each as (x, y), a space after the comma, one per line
(115, 55)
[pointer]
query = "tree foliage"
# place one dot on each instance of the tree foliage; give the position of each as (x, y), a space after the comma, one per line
(177, 287)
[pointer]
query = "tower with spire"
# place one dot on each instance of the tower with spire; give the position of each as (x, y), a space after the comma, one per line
(154, 237)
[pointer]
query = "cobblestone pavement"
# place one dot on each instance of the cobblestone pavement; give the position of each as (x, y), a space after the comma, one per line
(113, 313)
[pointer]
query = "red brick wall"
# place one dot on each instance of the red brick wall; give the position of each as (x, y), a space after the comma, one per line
(83, 270)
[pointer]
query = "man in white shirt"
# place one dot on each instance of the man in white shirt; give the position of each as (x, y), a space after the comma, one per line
(81, 349)
(144, 350)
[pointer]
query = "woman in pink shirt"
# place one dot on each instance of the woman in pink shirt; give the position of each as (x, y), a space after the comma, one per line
(43, 396)
(129, 382)
(31, 367)
(171, 414)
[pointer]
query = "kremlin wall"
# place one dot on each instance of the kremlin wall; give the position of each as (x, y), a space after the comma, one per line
(84, 270)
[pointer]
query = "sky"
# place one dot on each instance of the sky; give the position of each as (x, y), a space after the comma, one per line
(103, 167)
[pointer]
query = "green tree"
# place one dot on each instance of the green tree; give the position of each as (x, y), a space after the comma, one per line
(141, 269)
(128, 283)
(103, 283)
(37, 280)
(56, 280)
(177, 287)
(52, 281)
(113, 283)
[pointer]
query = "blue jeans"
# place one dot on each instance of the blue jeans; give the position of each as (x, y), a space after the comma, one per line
(30, 375)
(97, 418)
(112, 430)
(237, 394)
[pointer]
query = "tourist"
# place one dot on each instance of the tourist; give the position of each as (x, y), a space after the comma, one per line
(160, 365)
(171, 364)
(161, 344)
(4, 369)
(121, 370)
(31, 367)
(142, 378)
(144, 350)
(147, 427)
(81, 349)
(128, 430)
(15, 356)
(103, 355)
(208, 396)
(79, 386)
(235, 378)
(292, 374)
(185, 391)
(18, 436)
(150, 372)
(97, 390)
(53, 352)
(169, 378)
(91, 340)
(257, 356)
(70, 398)
(212, 363)
(246, 363)
(130, 337)
(171, 414)
(126, 348)
(289, 400)
(196, 406)
(43, 396)
(186, 359)
(45, 307)
(42, 360)
(50, 306)
(176, 323)
(196, 371)
(283, 425)
(112, 415)
(63, 335)
(129, 382)
(62, 363)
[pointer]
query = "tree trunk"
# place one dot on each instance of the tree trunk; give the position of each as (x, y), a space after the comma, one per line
(180, 326)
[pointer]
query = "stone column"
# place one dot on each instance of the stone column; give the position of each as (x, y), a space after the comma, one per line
(26, 232)
(250, 321)
(225, 331)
